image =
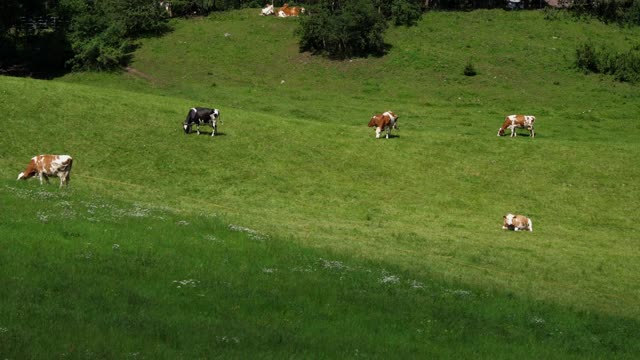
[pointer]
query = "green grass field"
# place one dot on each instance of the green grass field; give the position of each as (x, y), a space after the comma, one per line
(296, 233)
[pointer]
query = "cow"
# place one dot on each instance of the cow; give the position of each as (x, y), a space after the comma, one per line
(516, 222)
(201, 116)
(386, 121)
(49, 165)
(518, 121)
(286, 11)
(267, 10)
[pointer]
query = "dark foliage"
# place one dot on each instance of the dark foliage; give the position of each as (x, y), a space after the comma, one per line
(101, 33)
(622, 66)
(469, 70)
(343, 29)
(204, 7)
(610, 11)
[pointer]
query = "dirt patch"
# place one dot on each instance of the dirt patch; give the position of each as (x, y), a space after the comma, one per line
(139, 74)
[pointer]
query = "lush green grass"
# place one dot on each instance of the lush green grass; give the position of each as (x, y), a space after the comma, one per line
(297, 162)
(89, 277)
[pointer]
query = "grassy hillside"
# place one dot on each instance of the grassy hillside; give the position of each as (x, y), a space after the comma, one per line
(91, 277)
(296, 161)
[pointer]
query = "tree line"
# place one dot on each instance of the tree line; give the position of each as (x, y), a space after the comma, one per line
(42, 37)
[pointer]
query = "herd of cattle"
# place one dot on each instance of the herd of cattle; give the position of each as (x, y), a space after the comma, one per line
(60, 165)
(284, 11)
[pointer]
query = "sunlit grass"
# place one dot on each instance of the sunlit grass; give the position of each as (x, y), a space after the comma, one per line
(296, 164)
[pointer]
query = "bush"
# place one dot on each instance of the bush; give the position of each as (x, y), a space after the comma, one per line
(609, 11)
(470, 70)
(586, 58)
(623, 66)
(101, 33)
(343, 29)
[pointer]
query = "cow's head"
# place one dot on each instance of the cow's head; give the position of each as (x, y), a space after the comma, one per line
(267, 10)
(500, 131)
(187, 128)
(507, 221)
(395, 123)
(25, 175)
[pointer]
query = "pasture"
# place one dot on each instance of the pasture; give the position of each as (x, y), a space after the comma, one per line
(295, 232)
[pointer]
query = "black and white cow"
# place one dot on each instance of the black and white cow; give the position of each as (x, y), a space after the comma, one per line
(201, 116)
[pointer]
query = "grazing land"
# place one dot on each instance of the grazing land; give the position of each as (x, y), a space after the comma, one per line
(295, 233)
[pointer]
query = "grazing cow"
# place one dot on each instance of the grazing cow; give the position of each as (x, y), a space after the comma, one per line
(267, 10)
(516, 222)
(518, 121)
(49, 165)
(201, 116)
(286, 10)
(385, 121)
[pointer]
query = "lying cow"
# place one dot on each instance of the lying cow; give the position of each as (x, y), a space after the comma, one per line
(49, 165)
(267, 10)
(516, 222)
(385, 121)
(518, 121)
(286, 11)
(201, 116)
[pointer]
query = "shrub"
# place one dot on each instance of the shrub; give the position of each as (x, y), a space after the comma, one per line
(470, 70)
(609, 11)
(586, 58)
(343, 29)
(623, 66)
(101, 33)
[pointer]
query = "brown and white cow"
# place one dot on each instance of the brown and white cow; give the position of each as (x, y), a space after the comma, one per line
(385, 121)
(518, 121)
(268, 10)
(516, 222)
(49, 165)
(286, 11)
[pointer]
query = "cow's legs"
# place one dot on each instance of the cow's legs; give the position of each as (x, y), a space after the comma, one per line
(64, 178)
(532, 132)
(43, 176)
(213, 132)
(378, 131)
(388, 131)
(198, 128)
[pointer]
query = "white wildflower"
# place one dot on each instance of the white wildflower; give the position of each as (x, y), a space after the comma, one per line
(389, 279)
(333, 264)
(253, 234)
(460, 293)
(187, 282)
(537, 320)
(269, 270)
(42, 216)
(115, 247)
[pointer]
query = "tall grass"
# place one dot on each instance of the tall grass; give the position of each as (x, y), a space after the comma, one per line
(90, 277)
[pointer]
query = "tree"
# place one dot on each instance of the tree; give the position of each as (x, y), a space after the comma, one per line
(343, 29)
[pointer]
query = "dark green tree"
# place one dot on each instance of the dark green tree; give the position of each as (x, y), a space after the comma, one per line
(342, 29)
